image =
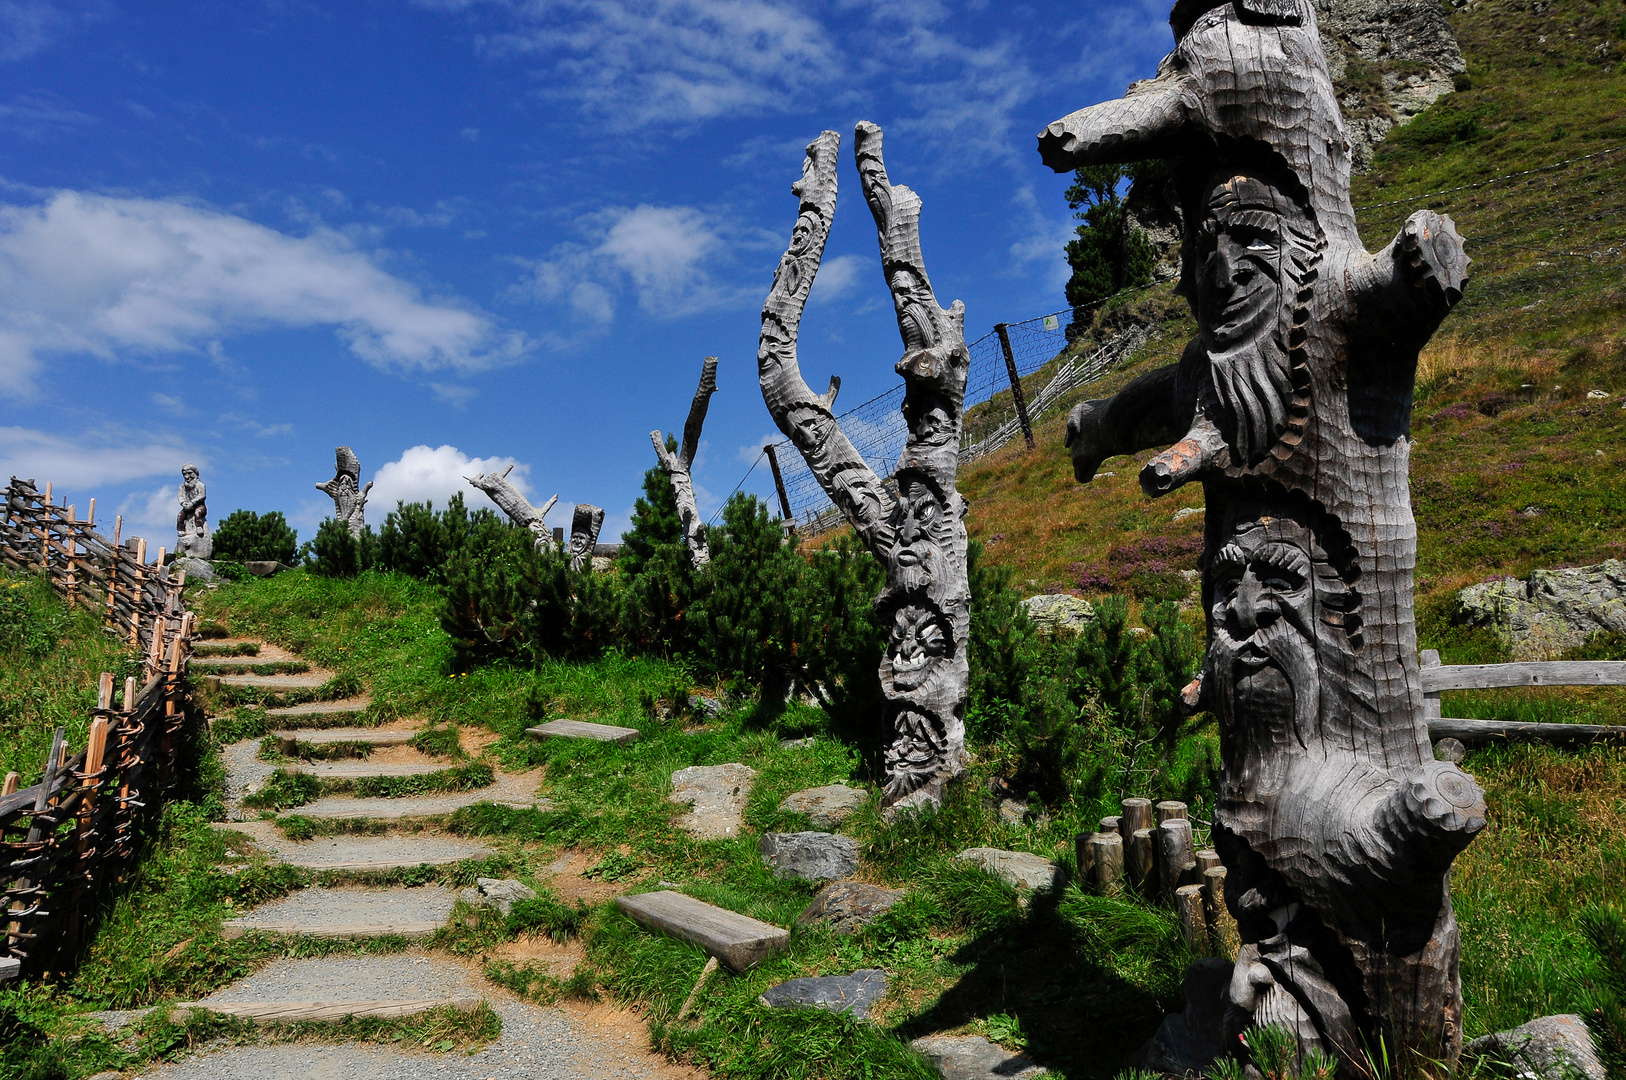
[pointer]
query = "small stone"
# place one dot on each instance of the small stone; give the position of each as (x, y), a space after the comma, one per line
(1597, 395)
(1188, 511)
(1449, 749)
(1060, 612)
(196, 569)
(826, 807)
(972, 1057)
(709, 707)
(814, 856)
(498, 894)
(848, 905)
(1547, 1048)
(717, 795)
(1019, 869)
(1012, 811)
(853, 993)
(264, 568)
(796, 744)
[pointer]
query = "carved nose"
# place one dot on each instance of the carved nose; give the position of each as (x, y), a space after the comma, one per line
(1251, 608)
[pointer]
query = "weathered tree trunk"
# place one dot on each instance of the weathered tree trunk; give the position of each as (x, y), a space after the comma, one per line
(918, 534)
(349, 498)
(516, 506)
(1292, 407)
(584, 526)
(677, 465)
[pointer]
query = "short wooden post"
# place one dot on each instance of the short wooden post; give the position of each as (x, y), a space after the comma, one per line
(1140, 864)
(10, 784)
(1111, 825)
(138, 588)
(1430, 658)
(1177, 861)
(779, 486)
(1188, 902)
(1106, 862)
(1207, 859)
(1222, 932)
(1137, 815)
(155, 648)
(113, 571)
(45, 530)
(1170, 808)
(1016, 383)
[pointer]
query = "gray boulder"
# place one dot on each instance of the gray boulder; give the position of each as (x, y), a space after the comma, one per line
(717, 795)
(1547, 1048)
(826, 807)
(497, 894)
(848, 905)
(815, 856)
(853, 993)
(1059, 612)
(1551, 610)
(1188, 1042)
(1019, 869)
(972, 1057)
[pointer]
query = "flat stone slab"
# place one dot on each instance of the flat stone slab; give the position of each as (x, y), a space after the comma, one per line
(1547, 1048)
(812, 856)
(344, 706)
(10, 967)
(1019, 869)
(737, 940)
(848, 905)
(329, 736)
(359, 852)
(825, 807)
(349, 913)
(310, 680)
(499, 894)
(362, 770)
(578, 729)
(972, 1057)
(517, 791)
(853, 993)
(212, 663)
(717, 795)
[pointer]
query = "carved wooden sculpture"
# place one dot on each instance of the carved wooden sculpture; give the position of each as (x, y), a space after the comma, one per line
(584, 526)
(192, 523)
(1292, 407)
(918, 532)
(516, 506)
(349, 498)
(677, 465)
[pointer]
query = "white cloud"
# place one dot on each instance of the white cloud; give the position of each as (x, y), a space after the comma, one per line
(839, 277)
(170, 403)
(84, 273)
(422, 474)
(27, 26)
(151, 515)
(92, 460)
(657, 252)
(469, 134)
(40, 113)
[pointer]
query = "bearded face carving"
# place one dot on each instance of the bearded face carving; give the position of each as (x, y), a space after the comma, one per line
(915, 754)
(921, 638)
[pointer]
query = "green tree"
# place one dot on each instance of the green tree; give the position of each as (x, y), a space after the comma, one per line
(245, 536)
(1106, 254)
(746, 626)
(417, 540)
(656, 523)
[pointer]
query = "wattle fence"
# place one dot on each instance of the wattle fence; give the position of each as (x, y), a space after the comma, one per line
(64, 838)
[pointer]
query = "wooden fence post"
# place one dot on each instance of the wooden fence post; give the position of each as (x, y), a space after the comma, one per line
(113, 572)
(138, 577)
(1016, 383)
(779, 486)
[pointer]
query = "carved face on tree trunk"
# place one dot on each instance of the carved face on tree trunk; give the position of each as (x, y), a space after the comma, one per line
(923, 531)
(921, 638)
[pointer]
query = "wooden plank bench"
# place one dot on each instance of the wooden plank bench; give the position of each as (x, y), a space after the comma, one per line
(577, 729)
(737, 940)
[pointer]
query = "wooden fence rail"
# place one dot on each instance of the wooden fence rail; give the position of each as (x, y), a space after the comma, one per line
(1438, 678)
(66, 837)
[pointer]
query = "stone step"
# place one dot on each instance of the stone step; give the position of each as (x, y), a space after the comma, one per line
(737, 940)
(289, 1012)
(329, 736)
(349, 913)
(512, 790)
(365, 770)
(244, 665)
(309, 680)
(577, 729)
(318, 714)
(358, 852)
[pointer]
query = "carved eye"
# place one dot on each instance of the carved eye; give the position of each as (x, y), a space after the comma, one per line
(1259, 243)
(932, 639)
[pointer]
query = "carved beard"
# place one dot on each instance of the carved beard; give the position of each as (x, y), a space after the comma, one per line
(915, 754)
(1269, 685)
(1252, 382)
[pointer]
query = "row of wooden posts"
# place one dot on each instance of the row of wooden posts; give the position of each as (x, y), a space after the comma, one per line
(66, 838)
(1152, 851)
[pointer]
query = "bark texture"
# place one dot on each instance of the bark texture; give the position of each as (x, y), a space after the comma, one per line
(677, 465)
(349, 498)
(584, 526)
(1292, 407)
(516, 506)
(914, 522)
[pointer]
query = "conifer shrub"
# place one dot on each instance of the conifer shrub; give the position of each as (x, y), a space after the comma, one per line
(245, 536)
(335, 553)
(746, 625)
(416, 539)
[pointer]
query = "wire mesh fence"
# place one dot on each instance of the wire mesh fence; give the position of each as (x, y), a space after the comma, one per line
(1538, 238)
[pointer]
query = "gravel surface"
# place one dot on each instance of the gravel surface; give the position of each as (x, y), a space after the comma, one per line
(320, 708)
(402, 976)
(331, 851)
(371, 736)
(357, 770)
(307, 681)
(508, 790)
(315, 907)
(245, 771)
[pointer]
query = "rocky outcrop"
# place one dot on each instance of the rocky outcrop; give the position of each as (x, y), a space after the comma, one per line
(1549, 611)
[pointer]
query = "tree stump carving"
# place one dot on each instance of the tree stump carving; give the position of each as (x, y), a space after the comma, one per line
(584, 526)
(913, 524)
(1292, 408)
(349, 498)
(518, 508)
(677, 465)
(192, 539)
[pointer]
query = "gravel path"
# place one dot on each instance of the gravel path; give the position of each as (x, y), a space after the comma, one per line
(508, 790)
(308, 681)
(357, 770)
(321, 708)
(402, 976)
(355, 907)
(245, 772)
(348, 851)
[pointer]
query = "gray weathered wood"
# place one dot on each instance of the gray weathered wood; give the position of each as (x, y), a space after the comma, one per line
(1534, 673)
(1482, 731)
(585, 522)
(349, 497)
(737, 940)
(677, 465)
(1176, 856)
(918, 533)
(1291, 406)
(10, 967)
(1168, 810)
(1188, 905)
(1107, 864)
(1222, 933)
(500, 490)
(1140, 861)
(577, 729)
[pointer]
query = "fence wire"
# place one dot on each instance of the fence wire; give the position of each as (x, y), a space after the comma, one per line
(1538, 237)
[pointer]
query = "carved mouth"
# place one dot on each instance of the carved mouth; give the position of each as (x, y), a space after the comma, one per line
(909, 663)
(1251, 657)
(908, 557)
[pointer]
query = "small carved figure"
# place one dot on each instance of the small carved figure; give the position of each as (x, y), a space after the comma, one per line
(516, 506)
(677, 465)
(349, 498)
(919, 535)
(192, 523)
(1292, 407)
(584, 526)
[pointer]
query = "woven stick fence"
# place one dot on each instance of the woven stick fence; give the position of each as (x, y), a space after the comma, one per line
(65, 838)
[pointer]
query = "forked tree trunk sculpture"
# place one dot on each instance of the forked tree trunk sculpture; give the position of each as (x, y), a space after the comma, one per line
(918, 533)
(1292, 407)
(518, 508)
(349, 498)
(677, 465)
(584, 526)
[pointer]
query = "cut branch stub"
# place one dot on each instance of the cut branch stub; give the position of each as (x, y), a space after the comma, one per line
(518, 508)
(918, 535)
(349, 498)
(677, 465)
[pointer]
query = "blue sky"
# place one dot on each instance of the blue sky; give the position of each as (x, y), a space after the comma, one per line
(243, 233)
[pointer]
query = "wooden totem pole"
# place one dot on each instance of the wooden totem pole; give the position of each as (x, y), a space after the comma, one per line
(1292, 407)
(518, 508)
(349, 497)
(913, 523)
(677, 465)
